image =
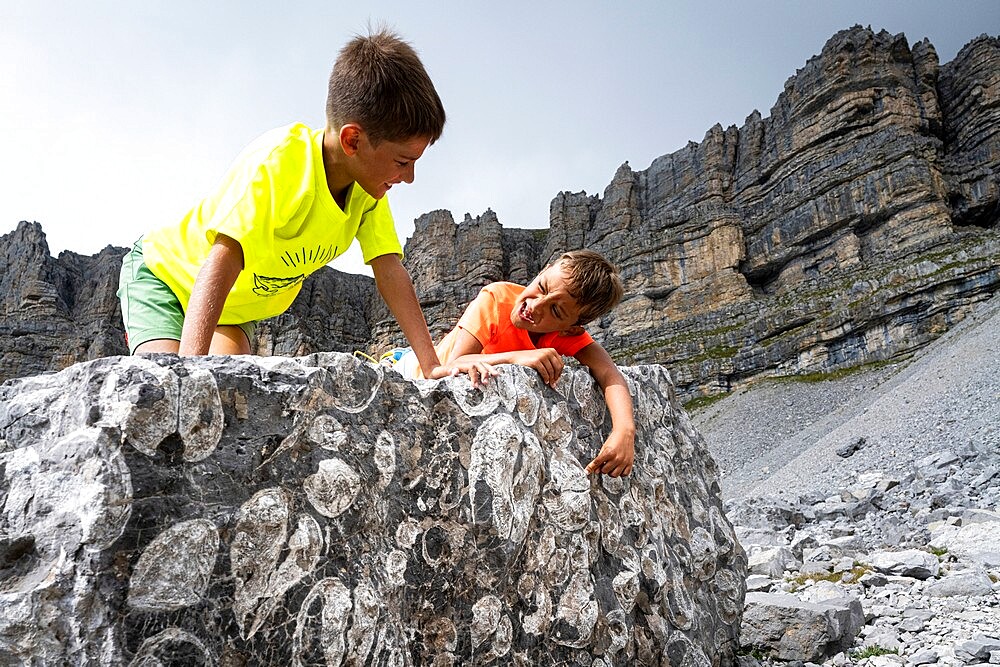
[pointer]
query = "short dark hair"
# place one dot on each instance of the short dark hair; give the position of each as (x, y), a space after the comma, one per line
(593, 281)
(379, 83)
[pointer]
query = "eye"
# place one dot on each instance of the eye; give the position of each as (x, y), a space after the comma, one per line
(402, 163)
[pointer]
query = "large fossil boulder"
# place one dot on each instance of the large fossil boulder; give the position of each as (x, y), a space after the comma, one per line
(323, 511)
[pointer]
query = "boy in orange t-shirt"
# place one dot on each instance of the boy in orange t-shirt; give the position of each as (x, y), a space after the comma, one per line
(536, 326)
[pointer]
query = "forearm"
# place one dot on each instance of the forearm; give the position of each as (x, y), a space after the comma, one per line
(208, 297)
(618, 452)
(200, 321)
(613, 384)
(397, 291)
(620, 406)
(493, 359)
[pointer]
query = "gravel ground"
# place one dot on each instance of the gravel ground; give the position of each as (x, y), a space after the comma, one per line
(782, 436)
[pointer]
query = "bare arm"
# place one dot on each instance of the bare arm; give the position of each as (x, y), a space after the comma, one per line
(397, 291)
(617, 454)
(208, 296)
(468, 358)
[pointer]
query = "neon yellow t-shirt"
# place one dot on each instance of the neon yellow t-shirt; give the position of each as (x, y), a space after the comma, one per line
(275, 201)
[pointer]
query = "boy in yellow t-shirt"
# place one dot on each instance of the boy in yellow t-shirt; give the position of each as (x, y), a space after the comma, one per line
(294, 199)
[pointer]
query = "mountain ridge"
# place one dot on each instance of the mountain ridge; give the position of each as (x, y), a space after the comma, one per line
(853, 225)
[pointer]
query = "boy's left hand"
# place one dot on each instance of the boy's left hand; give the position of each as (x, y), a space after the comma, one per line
(616, 456)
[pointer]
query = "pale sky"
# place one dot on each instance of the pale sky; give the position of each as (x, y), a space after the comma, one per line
(118, 116)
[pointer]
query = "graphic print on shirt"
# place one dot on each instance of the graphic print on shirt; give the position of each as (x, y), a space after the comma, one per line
(319, 256)
(271, 285)
(268, 286)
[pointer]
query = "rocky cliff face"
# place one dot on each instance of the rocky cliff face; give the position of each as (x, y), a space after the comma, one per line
(270, 511)
(55, 312)
(854, 224)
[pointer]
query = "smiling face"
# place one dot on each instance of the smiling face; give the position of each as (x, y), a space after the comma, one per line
(376, 168)
(546, 305)
(388, 163)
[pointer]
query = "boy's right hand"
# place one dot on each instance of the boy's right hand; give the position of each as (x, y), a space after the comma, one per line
(546, 361)
(479, 372)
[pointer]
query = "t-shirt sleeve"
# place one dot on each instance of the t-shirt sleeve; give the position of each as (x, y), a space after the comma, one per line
(568, 346)
(259, 193)
(240, 213)
(481, 317)
(377, 232)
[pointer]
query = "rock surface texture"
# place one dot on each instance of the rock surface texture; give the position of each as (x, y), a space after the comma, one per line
(224, 511)
(888, 501)
(854, 224)
(903, 568)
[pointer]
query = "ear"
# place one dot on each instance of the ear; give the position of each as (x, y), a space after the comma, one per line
(350, 138)
(574, 330)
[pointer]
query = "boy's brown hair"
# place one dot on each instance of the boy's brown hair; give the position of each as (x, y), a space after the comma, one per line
(593, 281)
(379, 83)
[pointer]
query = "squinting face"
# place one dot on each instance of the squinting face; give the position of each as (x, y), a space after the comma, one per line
(378, 168)
(545, 305)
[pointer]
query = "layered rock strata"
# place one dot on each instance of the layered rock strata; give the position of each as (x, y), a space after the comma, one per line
(854, 224)
(55, 312)
(255, 510)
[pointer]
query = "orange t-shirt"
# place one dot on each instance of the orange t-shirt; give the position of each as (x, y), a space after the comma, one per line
(488, 319)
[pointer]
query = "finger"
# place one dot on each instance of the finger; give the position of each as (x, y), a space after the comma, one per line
(553, 373)
(598, 463)
(474, 376)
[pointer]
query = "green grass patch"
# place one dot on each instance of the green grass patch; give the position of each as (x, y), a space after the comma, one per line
(821, 376)
(753, 651)
(703, 402)
(938, 551)
(675, 342)
(801, 580)
(717, 352)
(872, 651)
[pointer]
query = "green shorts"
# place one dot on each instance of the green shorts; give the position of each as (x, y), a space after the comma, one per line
(150, 309)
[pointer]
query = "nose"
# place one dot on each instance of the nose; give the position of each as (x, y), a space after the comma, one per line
(408, 173)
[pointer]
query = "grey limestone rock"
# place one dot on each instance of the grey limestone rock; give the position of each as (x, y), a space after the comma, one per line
(252, 510)
(977, 542)
(968, 582)
(792, 629)
(914, 563)
(977, 649)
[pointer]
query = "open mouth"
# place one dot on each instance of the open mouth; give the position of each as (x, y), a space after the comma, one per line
(524, 314)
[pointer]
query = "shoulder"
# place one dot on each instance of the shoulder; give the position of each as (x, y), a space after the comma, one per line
(503, 291)
(292, 134)
(283, 145)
